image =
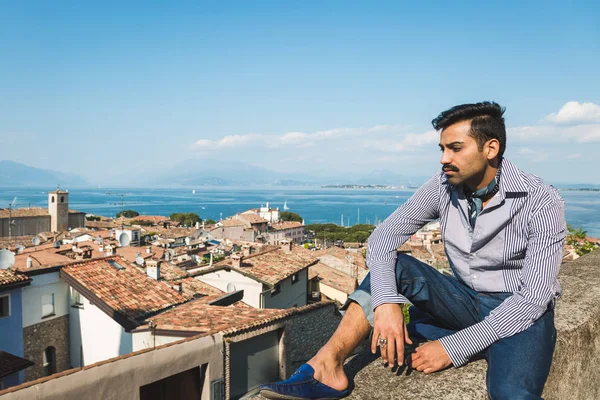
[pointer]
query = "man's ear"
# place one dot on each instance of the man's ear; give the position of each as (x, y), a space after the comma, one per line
(492, 148)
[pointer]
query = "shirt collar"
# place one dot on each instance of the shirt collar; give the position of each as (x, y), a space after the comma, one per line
(511, 180)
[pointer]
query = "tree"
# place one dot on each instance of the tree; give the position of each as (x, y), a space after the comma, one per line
(127, 214)
(577, 238)
(290, 216)
(210, 221)
(188, 219)
(92, 218)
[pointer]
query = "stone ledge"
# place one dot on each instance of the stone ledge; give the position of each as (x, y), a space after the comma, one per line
(574, 373)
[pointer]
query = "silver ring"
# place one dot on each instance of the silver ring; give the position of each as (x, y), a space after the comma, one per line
(381, 342)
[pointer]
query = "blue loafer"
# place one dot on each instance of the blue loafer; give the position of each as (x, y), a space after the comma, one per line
(301, 385)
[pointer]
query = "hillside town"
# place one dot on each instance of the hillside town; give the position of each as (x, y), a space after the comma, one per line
(81, 292)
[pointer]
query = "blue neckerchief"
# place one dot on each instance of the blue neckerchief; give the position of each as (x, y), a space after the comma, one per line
(475, 198)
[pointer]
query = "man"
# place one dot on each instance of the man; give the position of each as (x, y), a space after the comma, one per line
(503, 232)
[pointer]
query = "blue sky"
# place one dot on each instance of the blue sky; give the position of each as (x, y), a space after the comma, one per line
(299, 85)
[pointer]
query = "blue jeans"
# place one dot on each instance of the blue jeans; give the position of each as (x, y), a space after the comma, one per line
(518, 366)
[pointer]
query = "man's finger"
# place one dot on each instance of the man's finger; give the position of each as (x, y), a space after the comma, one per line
(406, 336)
(374, 339)
(391, 350)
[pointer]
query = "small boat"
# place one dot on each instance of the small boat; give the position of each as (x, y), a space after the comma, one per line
(285, 207)
(193, 191)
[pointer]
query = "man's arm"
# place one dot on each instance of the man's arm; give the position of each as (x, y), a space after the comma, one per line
(420, 209)
(547, 231)
(389, 324)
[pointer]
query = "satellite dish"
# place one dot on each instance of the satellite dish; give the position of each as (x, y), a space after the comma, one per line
(35, 241)
(139, 260)
(230, 287)
(20, 248)
(124, 239)
(7, 259)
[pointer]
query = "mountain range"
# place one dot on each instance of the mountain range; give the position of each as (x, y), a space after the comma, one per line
(15, 174)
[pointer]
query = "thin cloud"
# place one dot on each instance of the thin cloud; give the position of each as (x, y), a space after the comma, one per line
(293, 139)
(575, 112)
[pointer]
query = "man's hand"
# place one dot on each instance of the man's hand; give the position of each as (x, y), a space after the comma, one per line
(389, 324)
(430, 357)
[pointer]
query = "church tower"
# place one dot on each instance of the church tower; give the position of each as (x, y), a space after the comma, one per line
(58, 208)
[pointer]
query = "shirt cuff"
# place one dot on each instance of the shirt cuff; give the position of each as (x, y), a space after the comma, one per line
(464, 344)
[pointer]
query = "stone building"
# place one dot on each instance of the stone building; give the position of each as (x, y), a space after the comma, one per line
(33, 220)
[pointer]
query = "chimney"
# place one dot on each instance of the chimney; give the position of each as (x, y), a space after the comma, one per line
(246, 250)
(29, 262)
(236, 261)
(153, 269)
(286, 246)
(148, 250)
(178, 287)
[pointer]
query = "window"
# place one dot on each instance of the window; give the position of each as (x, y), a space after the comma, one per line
(295, 278)
(5, 306)
(76, 299)
(52, 199)
(62, 199)
(49, 361)
(275, 291)
(47, 305)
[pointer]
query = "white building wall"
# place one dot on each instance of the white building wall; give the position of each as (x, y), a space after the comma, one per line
(289, 295)
(220, 279)
(32, 298)
(333, 293)
(95, 334)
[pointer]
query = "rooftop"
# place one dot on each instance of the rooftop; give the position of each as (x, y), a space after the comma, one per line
(270, 266)
(332, 278)
(9, 364)
(126, 290)
(197, 317)
(286, 225)
(10, 277)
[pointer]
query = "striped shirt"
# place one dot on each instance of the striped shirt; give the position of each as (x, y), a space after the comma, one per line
(515, 246)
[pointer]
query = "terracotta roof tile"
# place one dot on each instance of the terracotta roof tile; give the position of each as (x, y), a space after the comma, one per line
(197, 316)
(127, 291)
(286, 225)
(333, 278)
(24, 212)
(8, 277)
(271, 266)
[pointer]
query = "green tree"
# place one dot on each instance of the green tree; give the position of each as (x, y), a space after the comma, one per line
(577, 238)
(210, 221)
(188, 219)
(127, 214)
(290, 216)
(92, 218)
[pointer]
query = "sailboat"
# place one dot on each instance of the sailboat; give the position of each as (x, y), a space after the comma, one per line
(285, 207)
(193, 191)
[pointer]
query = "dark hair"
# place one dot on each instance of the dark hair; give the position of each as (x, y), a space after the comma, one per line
(486, 119)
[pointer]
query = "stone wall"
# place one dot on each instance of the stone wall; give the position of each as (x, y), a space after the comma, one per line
(36, 338)
(305, 333)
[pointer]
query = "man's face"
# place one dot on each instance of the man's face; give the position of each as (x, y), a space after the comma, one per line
(461, 160)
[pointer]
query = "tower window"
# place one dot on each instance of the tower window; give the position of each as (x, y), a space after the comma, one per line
(62, 199)
(52, 198)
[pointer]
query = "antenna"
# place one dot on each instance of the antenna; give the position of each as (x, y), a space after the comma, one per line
(122, 195)
(124, 239)
(7, 259)
(11, 223)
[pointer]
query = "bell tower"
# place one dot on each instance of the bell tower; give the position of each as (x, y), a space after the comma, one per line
(58, 208)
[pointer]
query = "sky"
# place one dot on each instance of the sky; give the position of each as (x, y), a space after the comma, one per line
(100, 88)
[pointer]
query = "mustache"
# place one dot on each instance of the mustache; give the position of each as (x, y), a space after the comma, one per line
(450, 167)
